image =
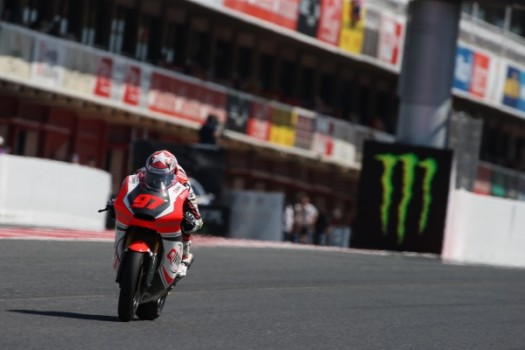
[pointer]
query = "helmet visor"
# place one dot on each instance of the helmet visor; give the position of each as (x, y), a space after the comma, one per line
(158, 181)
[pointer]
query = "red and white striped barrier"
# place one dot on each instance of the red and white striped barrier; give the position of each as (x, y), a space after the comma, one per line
(108, 236)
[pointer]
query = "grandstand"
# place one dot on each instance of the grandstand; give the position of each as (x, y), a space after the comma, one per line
(298, 84)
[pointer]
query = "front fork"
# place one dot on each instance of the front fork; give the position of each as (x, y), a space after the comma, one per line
(132, 242)
(150, 266)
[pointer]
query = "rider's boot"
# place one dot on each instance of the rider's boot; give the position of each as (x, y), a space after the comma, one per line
(187, 259)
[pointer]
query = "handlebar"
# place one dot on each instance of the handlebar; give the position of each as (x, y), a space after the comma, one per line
(109, 206)
(105, 209)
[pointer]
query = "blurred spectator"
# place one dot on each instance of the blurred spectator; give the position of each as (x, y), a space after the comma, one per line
(288, 222)
(305, 217)
(322, 226)
(11, 11)
(377, 124)
(75, 158)
(210, 131)
(3, 149)
(355, 15)
(320, 106)
(236, 82)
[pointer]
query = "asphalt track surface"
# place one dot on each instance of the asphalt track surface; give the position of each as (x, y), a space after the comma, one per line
(62, 295)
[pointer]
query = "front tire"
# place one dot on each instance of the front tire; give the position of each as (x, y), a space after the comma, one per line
(151, 310)
(129, 296)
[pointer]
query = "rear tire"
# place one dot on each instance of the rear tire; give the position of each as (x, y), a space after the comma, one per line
(129, 296)
(151, 310)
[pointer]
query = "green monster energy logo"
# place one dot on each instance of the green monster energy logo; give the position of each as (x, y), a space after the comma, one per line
(409, 162)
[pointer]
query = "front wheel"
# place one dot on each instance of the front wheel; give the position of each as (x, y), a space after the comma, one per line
(151, 310)
(129, 296)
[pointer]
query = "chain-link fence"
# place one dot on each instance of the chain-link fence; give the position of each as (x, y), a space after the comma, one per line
(464, 139)
(478, 176)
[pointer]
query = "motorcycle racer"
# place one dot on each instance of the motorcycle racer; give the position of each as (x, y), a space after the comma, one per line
(163, 171)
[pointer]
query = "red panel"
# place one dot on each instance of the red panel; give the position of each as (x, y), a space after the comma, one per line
(330, 21)
(132, 86)
(281, 12)
(480, 73)
(259, 122)
(103, 80)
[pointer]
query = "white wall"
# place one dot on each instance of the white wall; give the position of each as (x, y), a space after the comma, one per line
(256, 215)
(485, 230)
(46, 193)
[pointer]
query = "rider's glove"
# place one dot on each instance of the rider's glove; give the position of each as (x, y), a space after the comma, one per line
(188, 223)
(110, 206)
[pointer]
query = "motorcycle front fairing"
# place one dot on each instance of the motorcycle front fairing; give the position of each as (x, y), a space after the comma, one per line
(158, 210)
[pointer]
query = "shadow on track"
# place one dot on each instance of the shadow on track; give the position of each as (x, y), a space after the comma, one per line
(69, 315)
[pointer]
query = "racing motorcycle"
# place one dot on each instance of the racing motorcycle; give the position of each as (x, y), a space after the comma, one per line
(152, 246)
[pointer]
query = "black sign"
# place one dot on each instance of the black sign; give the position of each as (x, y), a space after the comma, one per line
(216, 220)
(402, 198)
(309, 14)
(239, 107)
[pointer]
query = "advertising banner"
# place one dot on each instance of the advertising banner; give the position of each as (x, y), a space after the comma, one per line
(521, 101)
(482, 183)
(353, 26)
(132, 85)
(344, 142)
(259, 123)
(471, 72)
(304, 128)
(323, 142)
(103, 77)
(330, 21)
(15, 53)
(390, 40)
(498, 182)
(145, 81)
(282, 127)
(167, 95)
(81, 66)
(309, 15)
(213, 102)
(176, 97)
(239, 107)
(514, 88)
(402, 198)
(284, 13)
(126, 82)
(211, 2)
(48, 62)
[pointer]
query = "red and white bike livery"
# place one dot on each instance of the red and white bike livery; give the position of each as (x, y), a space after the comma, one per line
(149, 253)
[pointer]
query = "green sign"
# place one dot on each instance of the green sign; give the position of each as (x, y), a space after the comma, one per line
(407, 163)
(402, 198)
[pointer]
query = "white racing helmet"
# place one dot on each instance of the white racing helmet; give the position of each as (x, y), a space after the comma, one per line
(161, 167)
